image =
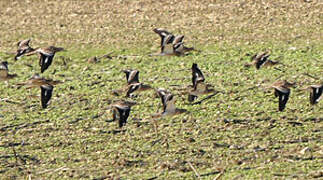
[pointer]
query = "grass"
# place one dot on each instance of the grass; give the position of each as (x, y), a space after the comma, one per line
(238, 134)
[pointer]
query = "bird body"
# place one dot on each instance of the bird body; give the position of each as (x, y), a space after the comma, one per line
(36, 81)
(4, 72)
(262, 60)
(199, 87)
(46, 56)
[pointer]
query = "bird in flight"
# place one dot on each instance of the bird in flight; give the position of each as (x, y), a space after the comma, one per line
(46, 56)
(46, 87)
(121, 111)
(133, 84)
(282, 91)
(171, 44)
(23, 48)
(168, 102)
(199, 86)
(262, 60)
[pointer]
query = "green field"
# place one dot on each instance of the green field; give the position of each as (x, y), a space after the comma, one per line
(237, 134)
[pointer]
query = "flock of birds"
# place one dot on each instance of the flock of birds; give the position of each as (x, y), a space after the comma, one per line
(170, 45)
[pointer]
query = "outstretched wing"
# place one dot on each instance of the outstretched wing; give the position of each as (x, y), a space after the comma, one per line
(132, 88)
(124, 113)
(262, 59)
(45, 61)
(163, 34)
(162, 93)
(283, 98)
(315, 94)
(132, 76)
(46, 94)
(197, 75)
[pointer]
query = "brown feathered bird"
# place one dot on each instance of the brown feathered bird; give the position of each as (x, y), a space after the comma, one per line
(46, 56)
(282, 91)
(199, 86)
(46, 87)
(121, 111)
(133, 84)
(262, 60)
(36, 81)
(171, 44)
(168, 102)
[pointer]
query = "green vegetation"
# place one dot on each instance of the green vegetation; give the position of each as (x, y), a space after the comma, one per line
(236, 134)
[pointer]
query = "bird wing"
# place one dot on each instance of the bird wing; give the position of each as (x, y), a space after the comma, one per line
(132, 88)
(197, 75)
(178, 39)
(170, 102)
(45, 61)
(46, 94)
(283, 98)
(163, 34)
(124, 113)
(133, 77)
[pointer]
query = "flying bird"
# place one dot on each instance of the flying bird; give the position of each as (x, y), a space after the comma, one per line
(133, 84)
(46, 56)
(121, 111)
(4, 72)
(36, 81)
(171, 44)
(46, 87)
(199, 86)
(23, 48)
(163, 93)
(282, 91)
(168, 101)
(262, 60)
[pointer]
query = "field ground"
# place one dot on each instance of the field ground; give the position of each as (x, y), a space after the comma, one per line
(237, 134)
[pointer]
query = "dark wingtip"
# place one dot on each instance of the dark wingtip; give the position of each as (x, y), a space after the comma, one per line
(191, 98)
